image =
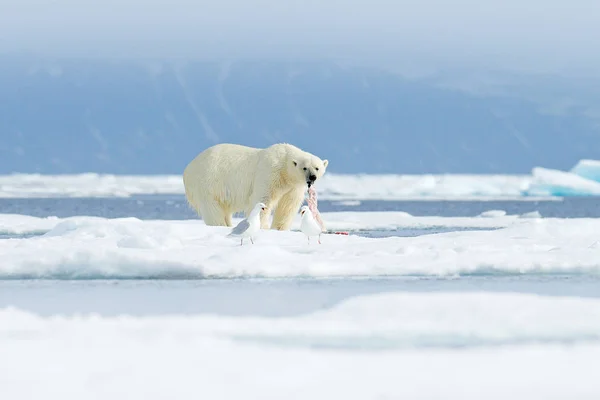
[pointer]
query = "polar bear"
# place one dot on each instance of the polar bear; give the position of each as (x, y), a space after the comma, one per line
(229, 178)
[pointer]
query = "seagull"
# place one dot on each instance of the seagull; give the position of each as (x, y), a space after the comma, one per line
(249, 226)
(309, 226)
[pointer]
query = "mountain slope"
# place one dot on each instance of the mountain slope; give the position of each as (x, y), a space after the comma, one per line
(69, 116)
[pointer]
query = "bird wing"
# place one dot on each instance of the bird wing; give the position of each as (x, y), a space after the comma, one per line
(240, 228)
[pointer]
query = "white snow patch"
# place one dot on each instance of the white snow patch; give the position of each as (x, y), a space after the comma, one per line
(394, 187)
(348, 203)
(347, 220)
(87, 185)
(24, 224)
(532, 214)
(542, 346)
(130, 248)
(378, 321)
(331, 187)
(542, 184)
(492, 214)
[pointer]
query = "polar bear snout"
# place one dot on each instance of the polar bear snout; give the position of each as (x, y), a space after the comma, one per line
(311, 180)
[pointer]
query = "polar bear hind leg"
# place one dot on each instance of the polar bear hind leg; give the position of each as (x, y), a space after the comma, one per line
(212, 211)
(214, 214)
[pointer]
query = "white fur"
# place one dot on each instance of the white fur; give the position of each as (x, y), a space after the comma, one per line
(229, 178)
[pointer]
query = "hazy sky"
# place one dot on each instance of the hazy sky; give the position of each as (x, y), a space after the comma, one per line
(545, 35)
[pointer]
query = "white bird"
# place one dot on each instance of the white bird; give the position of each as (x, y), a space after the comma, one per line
(249, 226)
(309, 226)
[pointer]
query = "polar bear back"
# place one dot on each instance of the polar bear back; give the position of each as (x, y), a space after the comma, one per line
(220, 168)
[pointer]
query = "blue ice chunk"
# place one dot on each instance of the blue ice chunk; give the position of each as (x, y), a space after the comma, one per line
(550, 182)
(589, 169)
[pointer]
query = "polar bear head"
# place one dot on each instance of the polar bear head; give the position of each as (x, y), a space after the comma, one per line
(308, 168)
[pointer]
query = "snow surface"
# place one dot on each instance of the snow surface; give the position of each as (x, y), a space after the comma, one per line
(91, 247)
(393, 345)
(87, 185)
(492, 214)
(417, 346)
(331, 187)
(394, 187)
(350, 220)
(582, 180)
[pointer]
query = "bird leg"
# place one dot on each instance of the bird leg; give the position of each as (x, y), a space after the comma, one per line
(319, 238)
(251, 240)
(241, 241)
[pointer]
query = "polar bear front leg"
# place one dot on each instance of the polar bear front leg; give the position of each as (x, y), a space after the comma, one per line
(266, 214)
(270, 202)
(287, 208)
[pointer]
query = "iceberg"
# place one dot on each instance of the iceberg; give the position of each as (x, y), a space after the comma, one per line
(551, 182)
(589, 169)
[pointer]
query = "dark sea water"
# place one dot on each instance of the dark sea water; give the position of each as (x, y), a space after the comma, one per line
(274, 297)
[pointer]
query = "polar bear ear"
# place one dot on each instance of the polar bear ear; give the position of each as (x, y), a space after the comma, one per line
(295, 163)
(325, 162)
